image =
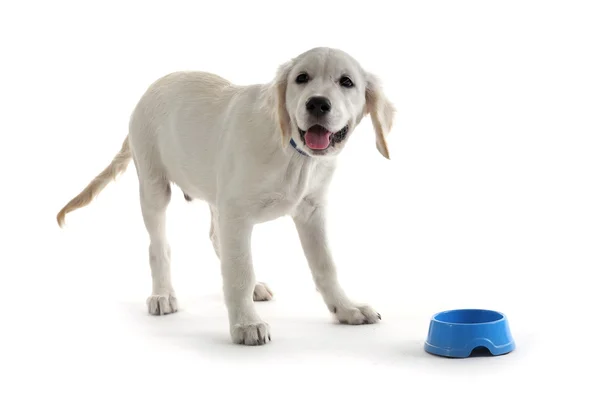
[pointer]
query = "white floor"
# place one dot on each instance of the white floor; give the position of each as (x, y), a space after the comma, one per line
(80, 330)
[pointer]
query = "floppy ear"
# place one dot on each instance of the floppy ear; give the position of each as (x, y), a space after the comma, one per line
(281, 113)
(382, 113)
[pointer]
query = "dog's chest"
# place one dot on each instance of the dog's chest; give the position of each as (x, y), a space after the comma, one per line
(285, 192)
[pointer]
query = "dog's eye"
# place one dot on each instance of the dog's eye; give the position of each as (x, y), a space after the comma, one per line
(346, 82)
(302, 78)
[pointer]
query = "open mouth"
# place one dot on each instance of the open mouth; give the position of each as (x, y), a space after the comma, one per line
(318, 138)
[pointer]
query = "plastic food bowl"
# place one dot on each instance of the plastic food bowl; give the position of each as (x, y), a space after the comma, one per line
(459, 333)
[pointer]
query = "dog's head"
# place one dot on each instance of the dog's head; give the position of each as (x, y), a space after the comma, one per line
(322, 95)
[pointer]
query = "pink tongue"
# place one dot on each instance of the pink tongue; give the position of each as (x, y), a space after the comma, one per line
(317, 138)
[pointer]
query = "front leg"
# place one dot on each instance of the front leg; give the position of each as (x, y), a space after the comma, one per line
(246, 326)
(262, 292)
(311, 226)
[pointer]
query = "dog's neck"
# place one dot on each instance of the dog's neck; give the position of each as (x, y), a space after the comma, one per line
(293, 144)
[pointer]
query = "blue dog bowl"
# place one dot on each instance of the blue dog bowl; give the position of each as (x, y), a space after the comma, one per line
(458, 333)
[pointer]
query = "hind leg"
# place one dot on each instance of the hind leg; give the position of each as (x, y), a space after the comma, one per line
(155, 194)
(262, 292)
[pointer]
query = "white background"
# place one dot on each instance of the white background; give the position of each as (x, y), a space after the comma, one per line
(491, 200)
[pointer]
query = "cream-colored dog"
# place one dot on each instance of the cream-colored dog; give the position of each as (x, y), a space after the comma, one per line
(253, 153)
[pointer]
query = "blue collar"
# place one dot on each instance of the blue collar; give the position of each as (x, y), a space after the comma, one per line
(293, 143)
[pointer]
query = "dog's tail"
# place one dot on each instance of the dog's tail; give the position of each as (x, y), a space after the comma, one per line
(116, 167)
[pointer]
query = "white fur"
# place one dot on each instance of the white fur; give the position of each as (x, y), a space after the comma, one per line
(222, 143)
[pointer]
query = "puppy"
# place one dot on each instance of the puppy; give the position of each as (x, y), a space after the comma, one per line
(253, 153)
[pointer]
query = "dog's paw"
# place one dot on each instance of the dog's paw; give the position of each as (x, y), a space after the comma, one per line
(162, 304)
(262, 292)
(356, 315)
(251, 334)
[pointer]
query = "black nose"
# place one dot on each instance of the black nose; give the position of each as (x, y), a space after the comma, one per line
(318, 106)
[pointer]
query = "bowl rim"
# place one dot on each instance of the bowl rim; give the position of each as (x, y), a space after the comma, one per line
(434, 318)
